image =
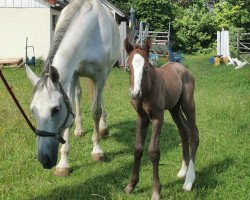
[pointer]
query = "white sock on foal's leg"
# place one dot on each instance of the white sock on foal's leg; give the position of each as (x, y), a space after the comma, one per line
(183, 170)
(190, 177)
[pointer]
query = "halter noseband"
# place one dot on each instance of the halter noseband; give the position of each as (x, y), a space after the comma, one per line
(57, 134)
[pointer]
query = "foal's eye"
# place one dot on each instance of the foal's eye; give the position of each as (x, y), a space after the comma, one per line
(55, 110)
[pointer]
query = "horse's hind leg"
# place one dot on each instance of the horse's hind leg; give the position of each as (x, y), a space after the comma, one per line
(78, 119)
(181, 123)
(97, 153)
(188, 107)
(103, 129)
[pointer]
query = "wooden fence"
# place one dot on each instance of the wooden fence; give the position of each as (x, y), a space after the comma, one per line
(243, 43)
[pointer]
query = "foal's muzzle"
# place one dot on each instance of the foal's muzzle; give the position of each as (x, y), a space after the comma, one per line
(134, 95)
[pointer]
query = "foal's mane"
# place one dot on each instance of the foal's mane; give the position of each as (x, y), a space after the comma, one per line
(62, 28)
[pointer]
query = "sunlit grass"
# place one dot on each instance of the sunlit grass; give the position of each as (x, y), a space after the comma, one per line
(223, 118)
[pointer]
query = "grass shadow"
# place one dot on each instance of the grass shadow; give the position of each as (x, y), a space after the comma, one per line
(206, 178)
(169, 138)
(94, 188)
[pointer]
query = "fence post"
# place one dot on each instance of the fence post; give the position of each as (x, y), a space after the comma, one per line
(238, 41)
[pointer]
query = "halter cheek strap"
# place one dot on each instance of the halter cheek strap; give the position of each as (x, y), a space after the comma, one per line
(38, 132)
(58, 134)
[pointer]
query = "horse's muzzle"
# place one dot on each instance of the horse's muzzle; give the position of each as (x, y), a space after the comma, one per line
(135, 96)
(47, 162)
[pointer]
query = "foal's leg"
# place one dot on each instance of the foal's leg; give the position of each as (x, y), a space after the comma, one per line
(97, 153)
(78, 118)
(181, 123)
(141, 132)
(154, 154)
(188, 107)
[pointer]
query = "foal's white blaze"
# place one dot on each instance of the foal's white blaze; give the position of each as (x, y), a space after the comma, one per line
(138, 63)
(190, 177)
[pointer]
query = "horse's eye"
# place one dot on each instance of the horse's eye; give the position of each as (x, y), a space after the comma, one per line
(55, 110)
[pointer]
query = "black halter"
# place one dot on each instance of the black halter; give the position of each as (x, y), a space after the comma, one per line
(57, 134)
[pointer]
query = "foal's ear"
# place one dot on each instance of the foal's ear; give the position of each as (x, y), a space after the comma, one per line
(53, 74)
(31, 75)
(127, 46)
(147, 45)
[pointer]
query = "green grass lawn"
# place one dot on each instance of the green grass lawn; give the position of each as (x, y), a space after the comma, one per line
(223, 159)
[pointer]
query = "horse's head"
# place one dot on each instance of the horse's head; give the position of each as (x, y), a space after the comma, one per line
(138, 65)
(51, 109)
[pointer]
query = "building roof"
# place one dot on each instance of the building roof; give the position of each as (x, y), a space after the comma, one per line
(112, 7)
(63, 3)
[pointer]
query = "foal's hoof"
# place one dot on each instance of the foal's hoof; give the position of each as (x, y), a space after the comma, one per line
(63, 172)
(104, 133)
(98, 157)
(128, 189)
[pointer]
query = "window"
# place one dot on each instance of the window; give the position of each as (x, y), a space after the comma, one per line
(54, 21)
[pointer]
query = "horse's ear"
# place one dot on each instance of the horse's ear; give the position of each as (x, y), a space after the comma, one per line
(53, 74)
(127, 46)
(31, 75)
(147, 45)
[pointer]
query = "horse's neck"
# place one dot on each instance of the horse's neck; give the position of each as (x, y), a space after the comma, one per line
(69, 53)
(149, 83)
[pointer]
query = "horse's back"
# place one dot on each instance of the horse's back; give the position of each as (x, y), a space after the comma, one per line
(91, 40)
(175, 76)
(175, 69)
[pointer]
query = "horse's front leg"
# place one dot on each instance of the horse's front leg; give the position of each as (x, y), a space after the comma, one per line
(97, 153)
(62, 168)
(141, 132)
(154, 154)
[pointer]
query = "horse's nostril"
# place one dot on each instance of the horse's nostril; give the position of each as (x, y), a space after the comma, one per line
(46, 161)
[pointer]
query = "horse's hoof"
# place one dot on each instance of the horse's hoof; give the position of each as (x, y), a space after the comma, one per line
(128, 189)
(104, 133)
(181, 174)
(155, 196)
(187, 187)
(79, 133)
(98, 157)
(63, 172)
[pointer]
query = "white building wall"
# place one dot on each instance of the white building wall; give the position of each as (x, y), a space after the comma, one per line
(18, 23)
(24, 4)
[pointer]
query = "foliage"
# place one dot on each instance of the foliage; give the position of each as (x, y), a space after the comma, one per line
(158, 13)
(222, 164)
(193, 29)
(195, 22)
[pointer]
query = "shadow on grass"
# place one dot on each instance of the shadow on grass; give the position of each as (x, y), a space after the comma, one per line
(94, 188)
(101, 185)
(126, 134)
(206, 178)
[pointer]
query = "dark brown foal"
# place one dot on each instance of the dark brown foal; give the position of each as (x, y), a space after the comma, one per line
(154, 90)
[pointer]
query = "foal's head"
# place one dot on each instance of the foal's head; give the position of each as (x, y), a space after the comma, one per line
(139, 66)
(49, 108)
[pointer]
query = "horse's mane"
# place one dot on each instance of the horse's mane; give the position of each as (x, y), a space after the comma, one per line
(72, 8)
